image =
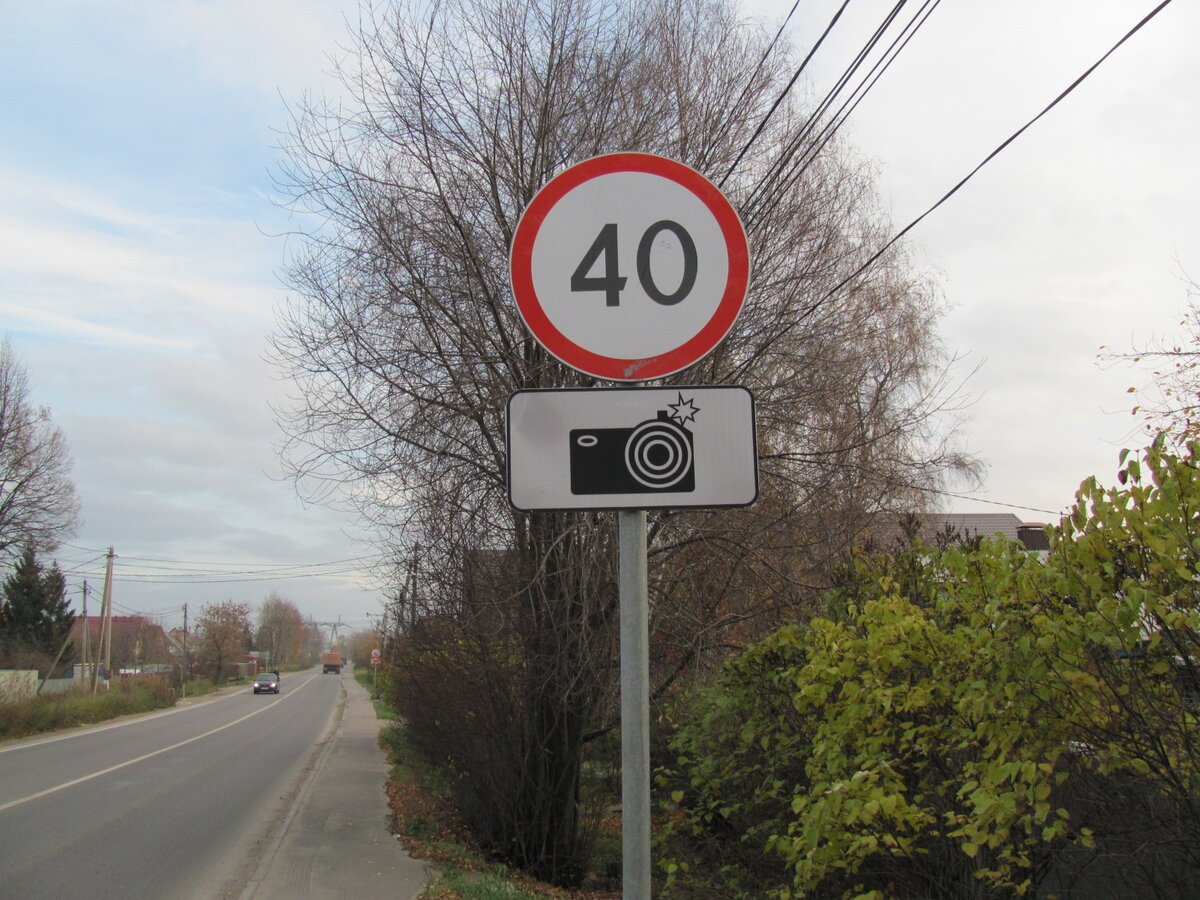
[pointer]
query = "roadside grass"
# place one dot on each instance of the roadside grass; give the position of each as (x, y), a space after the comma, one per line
(50, 712)
(477, 886)
(422, 817)
(198, 687)
(364, 676)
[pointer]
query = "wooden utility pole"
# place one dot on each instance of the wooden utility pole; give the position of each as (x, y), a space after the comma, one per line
(105, 649)
(86, 633)
(99, 655)
(185, 668)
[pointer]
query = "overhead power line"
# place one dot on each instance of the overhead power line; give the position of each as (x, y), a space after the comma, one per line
(803, 136)
(787, 89)
(832, 292)
(974, 499)
(240, 565)
(158, 570)
(266, 569)
(807, 146)
(225, 579)
(987, 159)
(826, 119)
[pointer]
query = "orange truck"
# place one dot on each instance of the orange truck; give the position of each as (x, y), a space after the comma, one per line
(331, 662)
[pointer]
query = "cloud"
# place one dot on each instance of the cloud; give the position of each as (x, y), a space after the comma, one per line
(275, 46)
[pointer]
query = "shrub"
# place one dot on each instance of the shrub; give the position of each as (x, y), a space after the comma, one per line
(49, 712)
(982, 723)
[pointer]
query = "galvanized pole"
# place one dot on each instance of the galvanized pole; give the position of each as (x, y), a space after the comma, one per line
(635, 706)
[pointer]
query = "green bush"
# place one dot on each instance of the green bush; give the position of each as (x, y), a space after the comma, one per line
(972, 720)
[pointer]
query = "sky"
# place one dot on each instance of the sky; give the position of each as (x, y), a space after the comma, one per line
(140, 254)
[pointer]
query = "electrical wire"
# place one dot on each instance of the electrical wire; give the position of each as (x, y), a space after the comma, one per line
(283, 569)
(750, 81)
(814, 307)
(806, 147)
(141, 570)
(241, 565)
(225, 579)
(787, 89)
(973, 499)
(171, 613)
(1009, 140)
(798, 140)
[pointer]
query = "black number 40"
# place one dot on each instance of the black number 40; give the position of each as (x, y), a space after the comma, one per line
(612, 282)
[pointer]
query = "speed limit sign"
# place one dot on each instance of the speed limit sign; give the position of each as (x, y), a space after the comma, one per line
(629, 266)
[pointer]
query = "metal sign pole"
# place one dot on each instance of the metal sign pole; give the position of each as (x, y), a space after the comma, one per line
(635, 706)
(570, 229)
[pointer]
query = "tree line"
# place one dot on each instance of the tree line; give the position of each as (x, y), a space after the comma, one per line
(39, 630)
(226, 634)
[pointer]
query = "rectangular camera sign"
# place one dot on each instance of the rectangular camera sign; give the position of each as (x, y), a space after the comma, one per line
(631, 448)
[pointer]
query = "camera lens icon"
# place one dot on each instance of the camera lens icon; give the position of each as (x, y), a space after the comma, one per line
(653, 456)
(658, 454)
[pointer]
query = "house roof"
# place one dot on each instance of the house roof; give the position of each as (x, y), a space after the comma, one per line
(985, 525)
(972, 524)
(121, 625)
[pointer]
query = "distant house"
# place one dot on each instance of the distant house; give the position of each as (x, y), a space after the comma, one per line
(969, 525)
(942, 528)
(136, 641)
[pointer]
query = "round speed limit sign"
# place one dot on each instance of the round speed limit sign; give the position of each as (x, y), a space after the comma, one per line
(629, 266)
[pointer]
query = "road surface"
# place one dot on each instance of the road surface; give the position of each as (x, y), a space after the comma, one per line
(172, 805)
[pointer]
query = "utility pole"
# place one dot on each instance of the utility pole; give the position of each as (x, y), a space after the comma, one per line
(105, 650)
(184, 667)
(87, 640)
(99, 655)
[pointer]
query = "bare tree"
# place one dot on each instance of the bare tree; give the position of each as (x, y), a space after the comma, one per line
(223, 633)
(405, 343)
(1170, 402)
(280, 630)
(38, 506)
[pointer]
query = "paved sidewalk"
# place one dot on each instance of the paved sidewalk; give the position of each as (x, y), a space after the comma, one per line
(335, 841)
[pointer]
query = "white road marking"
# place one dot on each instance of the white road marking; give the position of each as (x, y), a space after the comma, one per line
(160, 751)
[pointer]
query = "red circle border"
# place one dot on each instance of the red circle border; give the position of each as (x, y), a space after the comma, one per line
(614, 368)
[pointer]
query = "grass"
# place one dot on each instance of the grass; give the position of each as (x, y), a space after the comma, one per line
(50, 712)
(198, 686)
(137, 694)
(481, 886)
(366, 677)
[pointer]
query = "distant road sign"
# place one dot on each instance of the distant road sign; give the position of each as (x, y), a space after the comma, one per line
(632, 448)
(629, 266)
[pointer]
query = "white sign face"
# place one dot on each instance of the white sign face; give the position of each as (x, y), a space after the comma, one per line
(632, 448)
(629, 266)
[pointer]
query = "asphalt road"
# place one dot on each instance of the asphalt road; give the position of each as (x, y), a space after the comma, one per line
(172, 805)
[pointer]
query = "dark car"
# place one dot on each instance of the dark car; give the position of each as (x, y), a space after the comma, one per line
(266, 683)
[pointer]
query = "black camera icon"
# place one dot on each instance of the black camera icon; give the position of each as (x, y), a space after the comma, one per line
(654, 455)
